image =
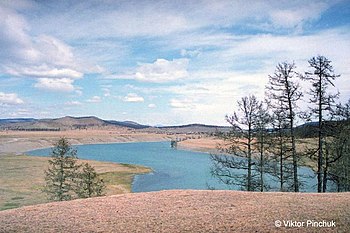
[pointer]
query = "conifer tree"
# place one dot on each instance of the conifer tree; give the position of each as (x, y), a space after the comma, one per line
(62, 173)
(284, 92)
(232, 170)
(321, 77)
(89, 184)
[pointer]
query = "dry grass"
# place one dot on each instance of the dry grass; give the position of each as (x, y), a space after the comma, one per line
(183, 211)
(22, 179)
(209, 144)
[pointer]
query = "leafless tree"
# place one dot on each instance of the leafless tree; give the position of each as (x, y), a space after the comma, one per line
(321, 77)
(241, 170)
(284, 92)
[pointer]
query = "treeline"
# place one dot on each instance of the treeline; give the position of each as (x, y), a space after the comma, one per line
(264, 133)
(31, 129)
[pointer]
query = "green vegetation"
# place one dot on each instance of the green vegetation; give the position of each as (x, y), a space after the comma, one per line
(22, 178)
(90, 184)
(62, 176)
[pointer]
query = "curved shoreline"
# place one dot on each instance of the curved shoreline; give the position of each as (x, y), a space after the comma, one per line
(18, 142)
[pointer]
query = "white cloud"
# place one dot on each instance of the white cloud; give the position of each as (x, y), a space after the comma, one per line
(184, 103)
(190, 53)
(162, 70)
(152, 106)
(10, 99)
(132, 97)
(43, 71)
(162, 18)
(73, 103)
(297, 15)
(43, 57)
(106, 92)
(78, 91)
(55, 84)
(94, 99)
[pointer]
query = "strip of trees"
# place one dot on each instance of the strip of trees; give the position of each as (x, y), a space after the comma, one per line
(267, 143)
(66, 179)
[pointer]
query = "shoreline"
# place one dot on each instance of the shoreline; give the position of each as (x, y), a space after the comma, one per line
(18, 142)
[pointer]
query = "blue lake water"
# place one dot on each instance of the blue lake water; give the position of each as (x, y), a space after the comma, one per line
(172, 169)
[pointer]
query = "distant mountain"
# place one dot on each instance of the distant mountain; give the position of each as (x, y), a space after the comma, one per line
(69, 122)
(16, 120)
(310, 129)
(79, 121)
(193, 125)
(194, 128)
(64, 123)
(128, 124)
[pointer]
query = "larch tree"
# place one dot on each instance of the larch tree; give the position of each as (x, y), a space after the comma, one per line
(279, 151)
(233, 170)
(261, 123)
(283, 92)
(321, 77)
(337, 151)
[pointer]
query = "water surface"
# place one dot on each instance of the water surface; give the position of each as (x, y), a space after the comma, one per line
(172, 169)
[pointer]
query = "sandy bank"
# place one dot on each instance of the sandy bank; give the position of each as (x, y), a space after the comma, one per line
(183, 211)
(207, 145)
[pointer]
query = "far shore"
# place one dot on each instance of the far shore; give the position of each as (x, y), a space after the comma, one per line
(19, 142)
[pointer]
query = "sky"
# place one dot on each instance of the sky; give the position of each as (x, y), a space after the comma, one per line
(159, 62)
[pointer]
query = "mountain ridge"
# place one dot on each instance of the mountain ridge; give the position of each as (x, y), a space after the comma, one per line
(71, 122)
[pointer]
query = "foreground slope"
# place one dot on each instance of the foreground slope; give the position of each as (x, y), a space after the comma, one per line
(182, 211)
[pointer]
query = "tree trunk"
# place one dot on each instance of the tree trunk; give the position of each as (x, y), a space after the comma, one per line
(262, 164)
(320, 155)
(295, 163)
(249, 177)
(281, 161)
(325, 171)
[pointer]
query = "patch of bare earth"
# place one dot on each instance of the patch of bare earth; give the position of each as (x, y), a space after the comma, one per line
(210, 144)
(183, 211)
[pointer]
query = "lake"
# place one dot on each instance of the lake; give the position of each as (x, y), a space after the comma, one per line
(172, 169)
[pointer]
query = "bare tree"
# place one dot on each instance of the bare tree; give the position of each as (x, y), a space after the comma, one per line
(337, 150)
(261, 123)
(278, 148)
(233, 170)
(321, 77)
(284, 92)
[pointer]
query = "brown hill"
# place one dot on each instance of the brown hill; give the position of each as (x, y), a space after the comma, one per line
(184, 211)
(63, 123)
(69, 121)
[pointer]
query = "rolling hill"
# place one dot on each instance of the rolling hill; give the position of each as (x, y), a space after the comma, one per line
(71, 123)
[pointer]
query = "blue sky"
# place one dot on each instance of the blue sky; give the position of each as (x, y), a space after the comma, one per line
(159, 62)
